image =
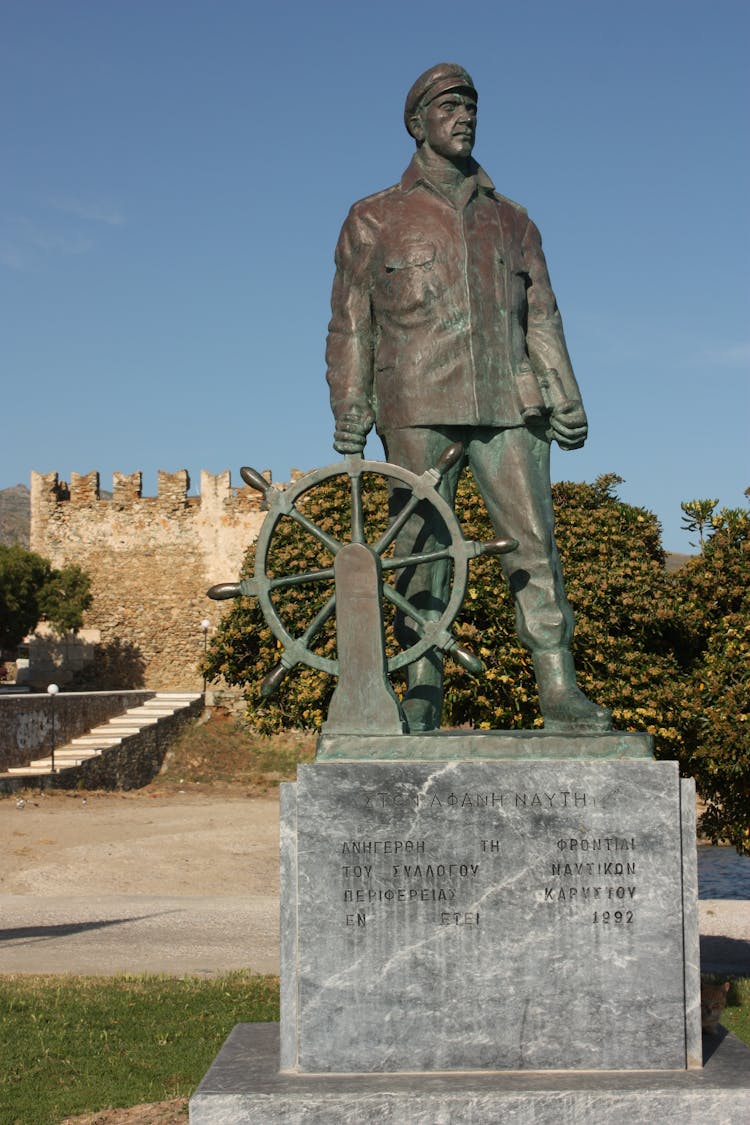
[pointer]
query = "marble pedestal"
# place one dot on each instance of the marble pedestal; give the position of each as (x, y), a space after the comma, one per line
(482, 935)
(489, 915)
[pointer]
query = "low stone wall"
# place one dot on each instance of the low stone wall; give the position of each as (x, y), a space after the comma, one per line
(26, 720)
(131, 765)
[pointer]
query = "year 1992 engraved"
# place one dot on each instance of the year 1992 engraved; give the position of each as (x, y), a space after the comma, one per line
(613, 917)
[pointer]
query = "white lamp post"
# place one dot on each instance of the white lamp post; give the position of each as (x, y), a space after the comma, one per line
(52, 691)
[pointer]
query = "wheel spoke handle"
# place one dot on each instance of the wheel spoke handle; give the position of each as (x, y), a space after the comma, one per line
(273, 681)
(254, 479)
(465, 657)
(448, 458)
(497, 547)
(222, 591)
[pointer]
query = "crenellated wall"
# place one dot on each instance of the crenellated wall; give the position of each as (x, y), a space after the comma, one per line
(151, 560)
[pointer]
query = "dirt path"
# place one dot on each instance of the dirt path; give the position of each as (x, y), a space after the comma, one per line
(154, 1113)
(106, 844)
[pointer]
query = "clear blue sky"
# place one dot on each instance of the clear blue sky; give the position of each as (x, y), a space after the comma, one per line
(175, 174)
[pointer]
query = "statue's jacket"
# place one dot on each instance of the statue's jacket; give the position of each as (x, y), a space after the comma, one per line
(440, 307)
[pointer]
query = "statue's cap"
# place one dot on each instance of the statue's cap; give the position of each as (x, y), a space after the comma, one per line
(433, 83)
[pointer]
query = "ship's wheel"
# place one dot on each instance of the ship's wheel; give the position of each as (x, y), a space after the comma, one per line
(420, 493)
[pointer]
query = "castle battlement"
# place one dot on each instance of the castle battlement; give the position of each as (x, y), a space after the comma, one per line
(47, 489)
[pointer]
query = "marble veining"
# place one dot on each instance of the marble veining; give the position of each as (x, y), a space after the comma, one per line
(485, 915)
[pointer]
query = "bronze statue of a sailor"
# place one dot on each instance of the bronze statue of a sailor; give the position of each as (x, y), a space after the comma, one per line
(445, 328)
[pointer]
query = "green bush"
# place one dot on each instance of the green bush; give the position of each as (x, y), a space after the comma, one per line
(713, 592)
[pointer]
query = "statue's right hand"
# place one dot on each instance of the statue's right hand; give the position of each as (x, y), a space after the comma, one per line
(351, 431)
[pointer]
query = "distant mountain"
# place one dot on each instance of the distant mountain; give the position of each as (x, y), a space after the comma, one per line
(675, 560)
(15, 515)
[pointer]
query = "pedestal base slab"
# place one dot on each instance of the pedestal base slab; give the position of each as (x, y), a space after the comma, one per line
(244, 1087)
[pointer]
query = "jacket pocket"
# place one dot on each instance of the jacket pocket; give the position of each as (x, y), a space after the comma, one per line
(409, 281)
(419, 255)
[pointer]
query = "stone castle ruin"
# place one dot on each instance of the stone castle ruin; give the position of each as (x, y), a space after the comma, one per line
(151, 560)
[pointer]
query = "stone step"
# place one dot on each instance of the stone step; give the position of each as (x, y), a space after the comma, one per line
(66, 752)
(96, 740)
(122, 730)
(121, 724)
(177, 695)
(45, 764)
(148, 711)
(28, 771)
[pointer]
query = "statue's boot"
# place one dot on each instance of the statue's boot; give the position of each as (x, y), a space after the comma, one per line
(561, 701)
(423, 701)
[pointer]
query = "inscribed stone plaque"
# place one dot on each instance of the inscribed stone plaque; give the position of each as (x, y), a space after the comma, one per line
(484, 915)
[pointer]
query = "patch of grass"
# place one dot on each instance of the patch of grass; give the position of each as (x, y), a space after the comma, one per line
(77, 1044)
(736, 1016)
(225, 752)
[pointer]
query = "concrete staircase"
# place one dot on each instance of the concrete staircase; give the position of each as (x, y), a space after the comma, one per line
(110, 734)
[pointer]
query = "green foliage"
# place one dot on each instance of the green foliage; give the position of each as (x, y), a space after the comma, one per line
(736, 1016)
(668, 653)
(22, 576)
(64, 597)
(31, 589)
(697, 517)
(713, 592)
(75, 1044)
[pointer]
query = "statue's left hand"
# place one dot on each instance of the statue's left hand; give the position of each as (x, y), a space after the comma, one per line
(351, 431)
(569, 425)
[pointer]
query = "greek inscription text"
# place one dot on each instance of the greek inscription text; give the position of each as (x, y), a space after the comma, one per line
(563, 800)
(611, 868)
(597, 844)
(572, 894)
(401, 894)
(382, 847)
(433, 870)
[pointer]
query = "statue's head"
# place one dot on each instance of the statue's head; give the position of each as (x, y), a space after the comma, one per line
(438, 97)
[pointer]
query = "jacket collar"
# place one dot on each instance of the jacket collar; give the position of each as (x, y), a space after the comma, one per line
(416, 174)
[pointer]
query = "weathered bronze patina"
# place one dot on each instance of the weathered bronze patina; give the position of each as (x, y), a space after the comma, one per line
(445, 329)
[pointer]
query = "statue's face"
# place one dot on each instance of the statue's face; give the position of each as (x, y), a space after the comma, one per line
(449, 124)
